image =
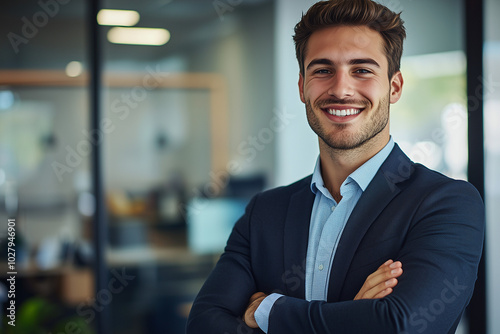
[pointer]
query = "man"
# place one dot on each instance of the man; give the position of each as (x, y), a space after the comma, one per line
(300, 259)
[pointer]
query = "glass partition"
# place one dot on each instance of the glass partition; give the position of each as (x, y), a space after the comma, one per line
(180, 161)
(46, 208)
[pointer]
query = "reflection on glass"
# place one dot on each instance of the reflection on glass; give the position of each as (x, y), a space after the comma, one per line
(41, 168)
(430, 120)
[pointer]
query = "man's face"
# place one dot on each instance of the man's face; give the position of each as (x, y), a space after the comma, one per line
(345, 86)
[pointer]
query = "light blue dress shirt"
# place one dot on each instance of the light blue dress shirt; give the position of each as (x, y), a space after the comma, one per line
(328, 220)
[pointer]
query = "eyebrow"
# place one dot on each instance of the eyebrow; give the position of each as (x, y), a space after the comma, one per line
(360, 61)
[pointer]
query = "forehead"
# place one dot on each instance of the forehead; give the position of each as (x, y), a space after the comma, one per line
(341, 43)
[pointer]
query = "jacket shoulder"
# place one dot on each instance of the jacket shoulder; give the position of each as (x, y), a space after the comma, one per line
(277, 199)
(287, 190)
(399, 168)
(428, 183)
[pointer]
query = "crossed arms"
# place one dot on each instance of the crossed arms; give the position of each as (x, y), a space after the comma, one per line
(439, 242)
(378, 285)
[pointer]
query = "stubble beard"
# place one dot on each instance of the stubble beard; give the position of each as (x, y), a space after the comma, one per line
(338, 137)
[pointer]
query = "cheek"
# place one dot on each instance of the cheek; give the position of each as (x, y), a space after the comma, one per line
(372, 91)
(313, 90)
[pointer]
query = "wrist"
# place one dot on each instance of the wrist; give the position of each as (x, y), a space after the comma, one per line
(249, 316)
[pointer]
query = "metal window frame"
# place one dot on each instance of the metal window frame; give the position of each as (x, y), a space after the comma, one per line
(474, 40)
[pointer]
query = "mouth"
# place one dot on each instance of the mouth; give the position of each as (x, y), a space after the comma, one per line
(341, 114)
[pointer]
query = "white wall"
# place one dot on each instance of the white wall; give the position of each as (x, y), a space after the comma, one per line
(244, 56)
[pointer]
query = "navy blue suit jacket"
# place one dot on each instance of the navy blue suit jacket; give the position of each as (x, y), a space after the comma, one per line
(433, 224)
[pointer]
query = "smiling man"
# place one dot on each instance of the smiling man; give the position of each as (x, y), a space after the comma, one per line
(311, 257)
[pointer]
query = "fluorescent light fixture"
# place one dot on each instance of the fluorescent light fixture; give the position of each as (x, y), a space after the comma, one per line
(138, 36)
(117, 17)
(74, 69)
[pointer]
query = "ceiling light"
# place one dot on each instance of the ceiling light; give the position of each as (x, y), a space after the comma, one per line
(74, 69)
(138, 36)
(117, 17)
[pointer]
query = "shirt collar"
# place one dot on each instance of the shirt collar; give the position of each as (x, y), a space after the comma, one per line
(317, 179)
(362, 176)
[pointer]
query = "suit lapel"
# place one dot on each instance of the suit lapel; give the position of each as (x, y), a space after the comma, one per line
(379, 193)
(296, 234)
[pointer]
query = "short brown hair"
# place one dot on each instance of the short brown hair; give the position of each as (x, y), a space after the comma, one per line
(332, 13)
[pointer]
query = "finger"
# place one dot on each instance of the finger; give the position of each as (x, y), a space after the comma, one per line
(390, 283)
(381, 269)
(395, 273)
(396, 264)
(386, 279)
(383, 293)
(387, 263)
(249, 319)
(380, 289)
(376, 283)
(256, 296)
(382, 275)
(386, 272)
(386, 267)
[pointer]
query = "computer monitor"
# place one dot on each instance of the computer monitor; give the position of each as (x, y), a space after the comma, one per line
(210, 222)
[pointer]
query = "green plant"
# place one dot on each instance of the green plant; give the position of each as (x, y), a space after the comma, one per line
(40, 316)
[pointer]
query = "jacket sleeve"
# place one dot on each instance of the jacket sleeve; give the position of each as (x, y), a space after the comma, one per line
(223, 299)
(440, 258)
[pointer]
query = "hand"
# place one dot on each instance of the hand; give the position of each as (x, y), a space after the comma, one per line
(380, 283)
(254, 303)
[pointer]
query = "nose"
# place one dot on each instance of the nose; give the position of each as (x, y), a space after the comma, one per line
(341, 85)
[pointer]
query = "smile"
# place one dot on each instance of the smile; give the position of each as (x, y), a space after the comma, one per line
(343, 112)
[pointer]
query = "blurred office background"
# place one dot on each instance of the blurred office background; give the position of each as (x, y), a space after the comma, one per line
(190, 129)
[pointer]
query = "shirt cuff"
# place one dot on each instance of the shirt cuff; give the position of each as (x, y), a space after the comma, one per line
(262, 313)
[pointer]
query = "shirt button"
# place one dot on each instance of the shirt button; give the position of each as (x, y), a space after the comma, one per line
(320, 267)
(333, 208)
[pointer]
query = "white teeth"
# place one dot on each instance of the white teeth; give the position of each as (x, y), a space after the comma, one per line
(344, 112)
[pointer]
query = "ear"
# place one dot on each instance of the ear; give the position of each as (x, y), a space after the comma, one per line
(396, 87)
(301, 88)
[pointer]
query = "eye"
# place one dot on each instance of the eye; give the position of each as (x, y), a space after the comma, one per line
(362, 71)
(322, 71)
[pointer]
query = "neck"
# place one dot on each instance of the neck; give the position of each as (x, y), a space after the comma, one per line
(337, 165)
